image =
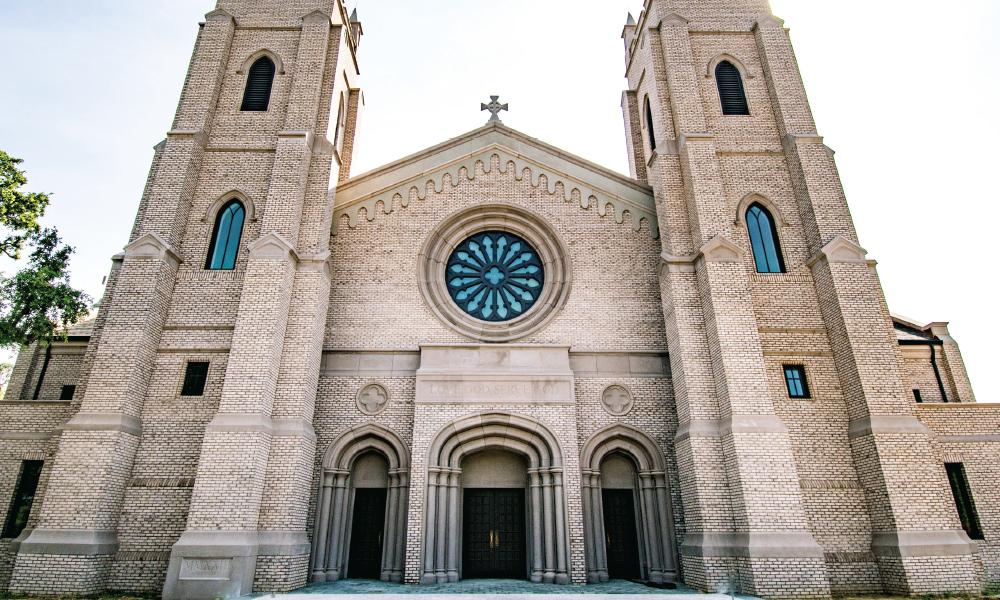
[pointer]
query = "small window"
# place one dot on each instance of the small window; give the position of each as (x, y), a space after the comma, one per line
(650, 129)
(67, 393)
(24, 497)
(731, 91)
(962, 493)
(918, 397)
(195, 377)
(226, 237)
(795, 379)
(764, 240)
(257, 95)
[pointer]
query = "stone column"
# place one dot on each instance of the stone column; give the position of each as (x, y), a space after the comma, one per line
(454, 512)
(549, 576)
(399, 547)
(562, 573)
(537, 553)
(322, 530)
(647, 501)
(430, 527)
(338, 527)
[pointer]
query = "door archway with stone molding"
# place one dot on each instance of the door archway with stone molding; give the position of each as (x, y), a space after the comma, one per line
(652, 489)
(546, 504)
(336, 499)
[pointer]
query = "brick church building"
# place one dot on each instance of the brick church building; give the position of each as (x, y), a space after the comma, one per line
(493, 358)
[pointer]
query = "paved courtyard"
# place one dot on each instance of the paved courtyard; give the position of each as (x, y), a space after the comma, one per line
(486, 588)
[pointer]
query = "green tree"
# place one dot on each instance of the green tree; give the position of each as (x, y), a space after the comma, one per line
(37, 303)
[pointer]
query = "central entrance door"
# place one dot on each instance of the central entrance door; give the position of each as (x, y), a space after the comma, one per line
(367, 528)
(493, 541)
(619, 531)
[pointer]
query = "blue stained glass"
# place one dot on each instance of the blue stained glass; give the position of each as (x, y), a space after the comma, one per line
(495, 276)
(226, 240)
(764, 240)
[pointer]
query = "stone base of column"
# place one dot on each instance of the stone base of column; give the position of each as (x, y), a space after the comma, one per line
(205, 565)
(927, 562)
(772, 565)
(63, 562)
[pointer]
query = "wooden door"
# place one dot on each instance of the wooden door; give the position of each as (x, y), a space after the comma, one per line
(493, 540)
(367, 529)
(620, 534)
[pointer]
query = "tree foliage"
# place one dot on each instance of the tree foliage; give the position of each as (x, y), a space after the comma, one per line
(37, 302)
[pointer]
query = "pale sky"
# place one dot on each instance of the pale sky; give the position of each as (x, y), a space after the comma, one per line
(903, 90)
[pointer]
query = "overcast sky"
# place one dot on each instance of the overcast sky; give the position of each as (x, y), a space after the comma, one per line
(904, 91)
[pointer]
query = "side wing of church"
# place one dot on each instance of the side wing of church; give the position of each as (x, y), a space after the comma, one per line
(495, 359)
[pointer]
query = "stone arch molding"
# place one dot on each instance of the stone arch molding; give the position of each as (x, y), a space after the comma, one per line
(335, 502)
(396, 185)
(279, 65)
(655, 516)
(740, 66)
(754, 198)
(546, 523)
(234, 194)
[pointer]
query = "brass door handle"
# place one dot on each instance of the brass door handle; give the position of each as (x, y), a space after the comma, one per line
(491, 539)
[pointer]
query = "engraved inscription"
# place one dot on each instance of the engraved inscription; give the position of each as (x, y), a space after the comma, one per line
(206, 569)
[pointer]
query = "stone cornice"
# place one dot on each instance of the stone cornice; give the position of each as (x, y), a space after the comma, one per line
(392, 184)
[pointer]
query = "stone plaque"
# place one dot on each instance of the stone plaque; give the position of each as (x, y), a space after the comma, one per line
(206, 569)
(372, 399)
(617, 400)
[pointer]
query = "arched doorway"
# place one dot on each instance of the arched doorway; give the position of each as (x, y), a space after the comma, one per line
(546, 544)
(493, 516)
(622, 469)
(361, 507)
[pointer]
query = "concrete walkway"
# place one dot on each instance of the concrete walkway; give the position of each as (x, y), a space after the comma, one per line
(490, 589)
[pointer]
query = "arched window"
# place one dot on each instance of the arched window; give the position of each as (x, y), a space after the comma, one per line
(764, 240)
(731, 92)
(650, 130)
(226, 237)
(257, 95)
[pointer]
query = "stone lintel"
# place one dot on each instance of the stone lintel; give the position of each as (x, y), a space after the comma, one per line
(104, 422)
(735, 424)
(763, 544)
(886, 424)
(27, 435)
(953, 542)
(71, 542)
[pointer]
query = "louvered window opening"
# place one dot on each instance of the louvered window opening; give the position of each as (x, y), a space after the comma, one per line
(257, 96)
(731, 91)
(650, 130)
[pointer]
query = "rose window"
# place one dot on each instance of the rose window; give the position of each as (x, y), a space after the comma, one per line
(495, 276)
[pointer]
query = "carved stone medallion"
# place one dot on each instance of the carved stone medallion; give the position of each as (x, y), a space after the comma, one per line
(372, 399)
(617, 400)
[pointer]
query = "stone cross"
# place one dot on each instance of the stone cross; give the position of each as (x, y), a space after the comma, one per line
(495, 107)
(617, 400)
(372, 399)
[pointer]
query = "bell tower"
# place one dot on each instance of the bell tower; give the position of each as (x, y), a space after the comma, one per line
(266, 121)
(762, 272)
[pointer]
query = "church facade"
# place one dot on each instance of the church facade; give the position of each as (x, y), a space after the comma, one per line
(495, 359)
